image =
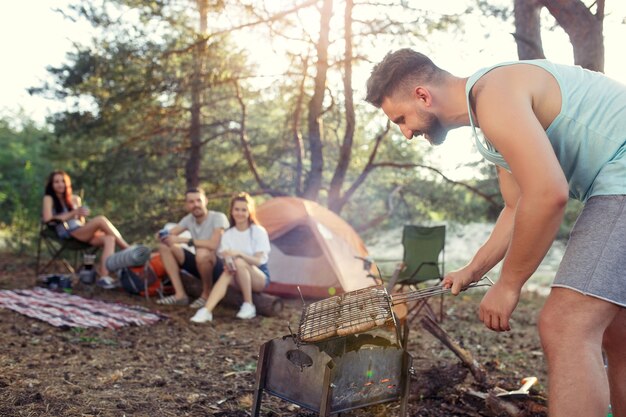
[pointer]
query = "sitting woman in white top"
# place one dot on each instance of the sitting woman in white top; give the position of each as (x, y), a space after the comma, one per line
(65, 212)
(244, 248)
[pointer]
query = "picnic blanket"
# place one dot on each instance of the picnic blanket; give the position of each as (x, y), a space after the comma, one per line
(66, 310)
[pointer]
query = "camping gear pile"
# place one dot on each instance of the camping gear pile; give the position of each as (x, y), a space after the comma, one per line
(135, 255)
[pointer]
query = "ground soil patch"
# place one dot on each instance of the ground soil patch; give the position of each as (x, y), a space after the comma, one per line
(177, 369)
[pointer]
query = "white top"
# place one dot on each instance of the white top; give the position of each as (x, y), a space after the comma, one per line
(250, 241)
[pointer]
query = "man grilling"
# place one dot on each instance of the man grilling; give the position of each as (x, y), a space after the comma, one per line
(553, 131)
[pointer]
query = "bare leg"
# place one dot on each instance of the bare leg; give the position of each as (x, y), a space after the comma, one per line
(571, 327)
(249, 278)
(205, 262)
(108, 247)
(615, 348)
(89, 230)
(219, 291)
(173, 257)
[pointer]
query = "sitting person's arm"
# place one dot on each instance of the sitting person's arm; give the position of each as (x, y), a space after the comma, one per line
(172, 237)
(256, 259)
(47, 212)
(213, 242)
(81, 211)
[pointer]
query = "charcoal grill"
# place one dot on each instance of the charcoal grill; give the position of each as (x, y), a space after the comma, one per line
(333, 376)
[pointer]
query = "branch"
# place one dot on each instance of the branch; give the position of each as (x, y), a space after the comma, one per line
(269, 191)
(475, 190)
(270, 19)
(368, 167)
(379, 219)
(243, 138)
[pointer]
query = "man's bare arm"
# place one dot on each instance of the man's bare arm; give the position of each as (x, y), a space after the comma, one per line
(213, 243)
(504, 109)
(495, 247)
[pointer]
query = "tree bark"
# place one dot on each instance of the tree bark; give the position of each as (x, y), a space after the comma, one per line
(243, 139)
(528, 29)
(583, 28)
(192, 167)
(335, 201)
(296, 133)
(314, 177)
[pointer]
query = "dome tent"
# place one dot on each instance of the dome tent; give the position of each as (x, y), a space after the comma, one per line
(312, 248)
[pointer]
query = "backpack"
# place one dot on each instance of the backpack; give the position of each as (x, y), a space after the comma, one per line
(147, 280)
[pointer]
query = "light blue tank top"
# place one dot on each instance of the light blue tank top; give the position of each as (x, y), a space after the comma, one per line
(588, 135)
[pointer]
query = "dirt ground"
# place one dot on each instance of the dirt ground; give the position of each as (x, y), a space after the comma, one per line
(175, 368)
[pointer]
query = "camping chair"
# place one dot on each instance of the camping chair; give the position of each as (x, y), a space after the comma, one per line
(423, 260)
(58, 249)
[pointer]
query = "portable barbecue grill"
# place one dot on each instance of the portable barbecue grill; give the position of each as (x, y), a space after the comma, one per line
(359, 311)
(333, 376)
(334, 363)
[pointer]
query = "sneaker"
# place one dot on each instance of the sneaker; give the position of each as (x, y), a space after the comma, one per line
(198, 303)
(202, 316)
(106, 282)
(171, 300)
(247, 311)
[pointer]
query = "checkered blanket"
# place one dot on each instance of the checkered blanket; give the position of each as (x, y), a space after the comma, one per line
(66, 310)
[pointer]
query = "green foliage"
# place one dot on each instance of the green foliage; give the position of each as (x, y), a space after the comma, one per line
(24, 165)
(126, 136)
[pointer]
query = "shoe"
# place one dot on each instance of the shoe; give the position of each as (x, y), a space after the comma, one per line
(202, 316)
(247, 311)
(106, 282)
(171, 300)
(198, 303)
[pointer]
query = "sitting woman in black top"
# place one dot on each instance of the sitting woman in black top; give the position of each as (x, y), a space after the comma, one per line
(65, 211)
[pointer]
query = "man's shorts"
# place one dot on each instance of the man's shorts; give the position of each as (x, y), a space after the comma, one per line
(189, 265)
(595, 259)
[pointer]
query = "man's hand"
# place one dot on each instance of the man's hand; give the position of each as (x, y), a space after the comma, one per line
(170, 240)
(232, 253)
(458, 280)
(498, 305)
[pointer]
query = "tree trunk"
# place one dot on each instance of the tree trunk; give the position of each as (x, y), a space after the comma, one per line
(192, 167)
(335, 201)
(296, 133)
(314, 177)
(583, 28)
(528, 29)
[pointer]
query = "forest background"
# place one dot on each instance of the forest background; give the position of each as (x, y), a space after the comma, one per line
(267, 97)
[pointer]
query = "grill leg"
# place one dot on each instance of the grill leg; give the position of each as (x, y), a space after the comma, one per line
(406, 383)
(327, 393)
(261, 373)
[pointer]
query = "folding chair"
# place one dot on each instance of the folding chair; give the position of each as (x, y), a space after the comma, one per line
(423, 260)
(59, 249)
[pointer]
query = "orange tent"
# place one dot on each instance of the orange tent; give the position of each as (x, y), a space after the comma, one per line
(312, 248)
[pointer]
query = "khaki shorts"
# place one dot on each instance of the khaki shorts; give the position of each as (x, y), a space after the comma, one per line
(595, 259)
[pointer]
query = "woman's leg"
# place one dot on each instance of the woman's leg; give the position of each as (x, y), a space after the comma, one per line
(219, 291)
(249, 278)
(89, 230)
(108, 247)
